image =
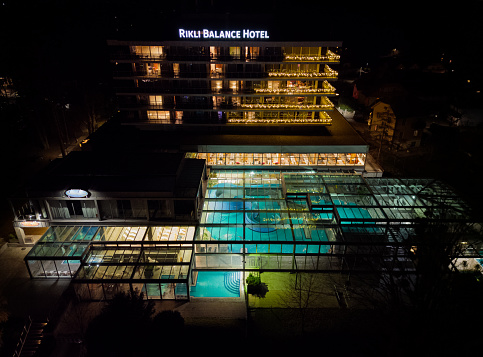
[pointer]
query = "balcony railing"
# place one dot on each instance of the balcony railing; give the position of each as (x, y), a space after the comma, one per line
(185, 74)
(328, 73)
(326, 121)
(326, 105)
(288, 106)
(328, 57)
(326, 89)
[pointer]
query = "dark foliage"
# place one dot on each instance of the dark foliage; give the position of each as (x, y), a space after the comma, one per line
(128, 326)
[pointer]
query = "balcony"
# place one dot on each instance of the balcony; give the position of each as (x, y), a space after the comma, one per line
(265, 117)
(184, 73)
(224, 105)
(325, 121)
(328, 73)
(328, 57)
(325, 106)
(326, 89)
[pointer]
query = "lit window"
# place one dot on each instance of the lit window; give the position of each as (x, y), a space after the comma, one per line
(155, 100)
(158, 114)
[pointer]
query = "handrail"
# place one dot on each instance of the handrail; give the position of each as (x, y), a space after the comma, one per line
(23, 337)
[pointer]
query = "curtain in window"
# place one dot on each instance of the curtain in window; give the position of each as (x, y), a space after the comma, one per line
(59, 209)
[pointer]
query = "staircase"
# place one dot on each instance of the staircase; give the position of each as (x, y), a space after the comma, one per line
(232, 282)
(30, 338)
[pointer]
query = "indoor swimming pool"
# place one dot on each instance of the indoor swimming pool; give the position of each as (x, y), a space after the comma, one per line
(216, 284)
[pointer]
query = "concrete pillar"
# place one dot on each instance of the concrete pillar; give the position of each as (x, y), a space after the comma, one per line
(20, 233)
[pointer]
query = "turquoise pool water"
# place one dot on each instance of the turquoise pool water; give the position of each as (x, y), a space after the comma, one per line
(257, 213)
(216, 284)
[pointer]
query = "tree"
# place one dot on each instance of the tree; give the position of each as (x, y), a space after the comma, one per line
(302, 293)
(417, 292)
(128, 326)
(169, 324)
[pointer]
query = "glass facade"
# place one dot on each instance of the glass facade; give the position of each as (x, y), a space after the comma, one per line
(105, 260)
(251, 220)
(276, 221)
(281, 159)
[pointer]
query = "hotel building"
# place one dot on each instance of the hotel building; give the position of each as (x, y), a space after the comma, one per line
(229, 159)
(258, 103)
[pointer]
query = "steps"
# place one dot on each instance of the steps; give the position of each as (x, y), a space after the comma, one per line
(30, 338)
(232, 282)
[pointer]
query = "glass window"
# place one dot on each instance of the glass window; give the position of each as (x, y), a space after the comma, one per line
(234, 85)
(156, 100)
(322, 159)
(158, 209)
(211, 158)
(332, 159)
(73, 209)
(158, 114)
(216, 86)
(59, 209)
(248, 159)
(235, 52)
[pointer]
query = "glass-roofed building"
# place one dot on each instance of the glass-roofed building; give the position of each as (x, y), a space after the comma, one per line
(228, 158)
(251, 221)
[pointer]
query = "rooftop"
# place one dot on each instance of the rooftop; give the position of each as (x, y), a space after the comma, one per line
(129, 172)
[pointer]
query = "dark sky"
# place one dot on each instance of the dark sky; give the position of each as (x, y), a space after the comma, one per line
(421, 30)
(414, 25)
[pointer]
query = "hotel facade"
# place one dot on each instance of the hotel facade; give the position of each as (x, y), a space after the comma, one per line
(233, 161)
(270, 102)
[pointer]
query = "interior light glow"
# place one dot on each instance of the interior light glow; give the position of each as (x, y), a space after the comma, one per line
(77, 193)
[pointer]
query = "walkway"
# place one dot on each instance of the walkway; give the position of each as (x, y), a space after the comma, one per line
(23, 295)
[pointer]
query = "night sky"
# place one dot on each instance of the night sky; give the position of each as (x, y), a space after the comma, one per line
(420, 28)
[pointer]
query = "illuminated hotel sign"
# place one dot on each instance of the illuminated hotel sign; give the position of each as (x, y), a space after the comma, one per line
(236, 34)
(76, 193)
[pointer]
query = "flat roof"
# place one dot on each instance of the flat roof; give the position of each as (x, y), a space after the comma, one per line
(119, 172)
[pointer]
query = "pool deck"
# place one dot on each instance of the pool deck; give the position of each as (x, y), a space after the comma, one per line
(40, 297)
(25, 296)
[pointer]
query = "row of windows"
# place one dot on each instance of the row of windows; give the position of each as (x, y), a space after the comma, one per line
(119, 209)
(236, 52)
(270, 117)
(251, 102)
(281, 159)
(175, 70)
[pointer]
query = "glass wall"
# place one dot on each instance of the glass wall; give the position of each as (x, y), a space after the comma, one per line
(153, 260)
(270, 220)
(281, 159)
(251, 220)
(55, 259)
(72, 209)
(122, 209)
(101, 257)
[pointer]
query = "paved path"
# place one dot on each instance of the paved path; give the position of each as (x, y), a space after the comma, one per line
(25, 296)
